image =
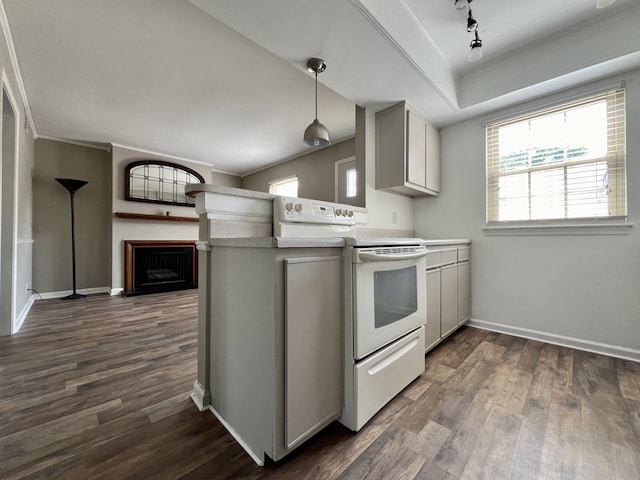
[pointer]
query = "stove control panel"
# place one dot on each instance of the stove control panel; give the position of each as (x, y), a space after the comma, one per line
(304, 210)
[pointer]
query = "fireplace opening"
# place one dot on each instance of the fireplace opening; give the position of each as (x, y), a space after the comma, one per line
(159, 266)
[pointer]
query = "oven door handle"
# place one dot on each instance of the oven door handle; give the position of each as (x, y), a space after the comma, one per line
(389, 257)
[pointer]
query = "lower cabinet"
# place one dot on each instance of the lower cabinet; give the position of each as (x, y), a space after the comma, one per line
(464, 292)
(313, 346)
(448, 293)
(449, 299)
(432, 328)
(276, 344)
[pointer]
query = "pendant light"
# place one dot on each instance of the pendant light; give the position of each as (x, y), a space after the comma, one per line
(316, 135)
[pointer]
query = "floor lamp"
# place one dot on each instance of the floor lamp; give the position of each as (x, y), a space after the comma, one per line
(72, 186)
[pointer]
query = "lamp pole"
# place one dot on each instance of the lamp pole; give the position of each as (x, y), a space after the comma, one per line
(72, 186)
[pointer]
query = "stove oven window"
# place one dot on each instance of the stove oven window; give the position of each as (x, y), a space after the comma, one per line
(395, 295)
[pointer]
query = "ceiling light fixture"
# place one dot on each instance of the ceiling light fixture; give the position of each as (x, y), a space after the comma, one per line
(604, 3)
(472, 25)
(476, 49)
(316, 135)
(461, 7)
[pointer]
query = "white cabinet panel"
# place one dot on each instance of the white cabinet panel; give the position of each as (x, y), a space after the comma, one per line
(432, 328)
(449, 299)
(417, 147)
(313, 346)
(464, 292)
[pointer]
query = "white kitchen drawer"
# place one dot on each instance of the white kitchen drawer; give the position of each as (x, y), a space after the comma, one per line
(434, 258)
(380, 377)
(449, 255)
(464, 254)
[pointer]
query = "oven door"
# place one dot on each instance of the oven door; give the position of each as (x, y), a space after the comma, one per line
(390, 296)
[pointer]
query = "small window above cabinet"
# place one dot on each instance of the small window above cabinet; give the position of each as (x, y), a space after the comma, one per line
(407, 152)
(156, 181)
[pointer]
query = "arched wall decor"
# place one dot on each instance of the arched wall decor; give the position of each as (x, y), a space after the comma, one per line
(157, 181)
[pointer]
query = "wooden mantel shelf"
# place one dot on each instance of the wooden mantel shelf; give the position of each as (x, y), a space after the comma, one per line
(164, 218)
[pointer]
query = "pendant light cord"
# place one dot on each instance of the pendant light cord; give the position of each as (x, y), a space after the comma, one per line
(316, 94)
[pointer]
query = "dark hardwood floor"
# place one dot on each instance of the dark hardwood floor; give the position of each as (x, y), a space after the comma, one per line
(98, 388)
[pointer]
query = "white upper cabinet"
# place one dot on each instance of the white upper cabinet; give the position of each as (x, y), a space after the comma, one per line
(407, 152)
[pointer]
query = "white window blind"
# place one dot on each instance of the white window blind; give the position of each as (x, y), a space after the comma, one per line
(560, 163)
(284, 186)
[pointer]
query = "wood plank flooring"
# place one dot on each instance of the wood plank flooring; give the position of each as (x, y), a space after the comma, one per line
(98, 388)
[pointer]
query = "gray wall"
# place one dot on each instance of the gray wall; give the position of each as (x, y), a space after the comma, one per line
(585, 287)
(52, 217)
(315, 172)
(225, 179)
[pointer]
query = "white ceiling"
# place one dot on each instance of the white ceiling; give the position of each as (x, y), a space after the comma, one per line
(223, 81)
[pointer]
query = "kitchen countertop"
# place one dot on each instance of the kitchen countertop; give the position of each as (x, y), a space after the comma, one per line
(194, 188)
(278, 242)
(447, 241)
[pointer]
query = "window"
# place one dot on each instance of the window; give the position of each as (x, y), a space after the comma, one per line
(352, 183)
(561, 163)
(156, 181)
(287, 187)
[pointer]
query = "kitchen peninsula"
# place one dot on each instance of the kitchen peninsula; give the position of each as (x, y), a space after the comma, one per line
(276, 326)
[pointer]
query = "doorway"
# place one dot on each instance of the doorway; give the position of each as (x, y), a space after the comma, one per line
(8, 216)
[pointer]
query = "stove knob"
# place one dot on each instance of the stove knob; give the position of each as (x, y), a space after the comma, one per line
(298, 207)
(350, 212)
(338, 211)
(289, 207)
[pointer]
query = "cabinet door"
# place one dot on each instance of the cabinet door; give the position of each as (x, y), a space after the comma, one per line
(432, 329)
(432, 159)
(416, 150)
(464, 292)
(449, 299)
(313, 346)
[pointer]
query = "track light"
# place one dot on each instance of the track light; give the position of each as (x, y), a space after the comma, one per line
(472, 25)
(476, 49)
(461, 7)
(316, 134)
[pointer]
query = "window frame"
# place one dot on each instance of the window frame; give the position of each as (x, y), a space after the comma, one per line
(614, 223)
(161, 163)
(283, 181)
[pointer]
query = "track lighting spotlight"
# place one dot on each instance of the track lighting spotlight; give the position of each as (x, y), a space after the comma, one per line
(472, 25)
(461, 7)
(476, 49)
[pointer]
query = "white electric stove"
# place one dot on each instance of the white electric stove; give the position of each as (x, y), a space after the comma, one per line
(384, 303)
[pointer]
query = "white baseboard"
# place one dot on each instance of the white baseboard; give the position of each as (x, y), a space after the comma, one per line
(23, 314)
(254, 456)
(116, 291)
(571, 342)
(201, 399)
(198, 396)
(84, 291)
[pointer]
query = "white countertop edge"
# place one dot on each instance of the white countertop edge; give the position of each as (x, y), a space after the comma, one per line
(278, 242)
(446, 241)
(194, 188)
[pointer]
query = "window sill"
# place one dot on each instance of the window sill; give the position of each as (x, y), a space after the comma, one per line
(618, 228)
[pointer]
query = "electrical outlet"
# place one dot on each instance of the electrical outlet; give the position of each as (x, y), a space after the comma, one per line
(26, 288)
(394, 217)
